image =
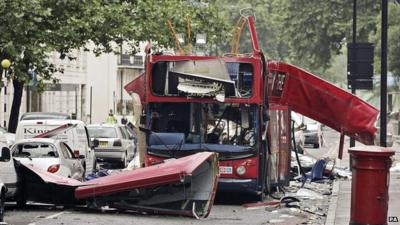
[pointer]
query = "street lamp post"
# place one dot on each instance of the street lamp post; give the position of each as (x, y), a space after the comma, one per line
(5, 64)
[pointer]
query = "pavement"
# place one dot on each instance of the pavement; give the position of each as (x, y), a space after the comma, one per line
(340, 203)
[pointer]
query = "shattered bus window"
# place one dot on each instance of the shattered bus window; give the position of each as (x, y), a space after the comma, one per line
(183, 128)
(202, 78)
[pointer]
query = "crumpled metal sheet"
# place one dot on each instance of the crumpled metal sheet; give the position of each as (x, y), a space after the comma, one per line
(212, 69)
(137, 85)
(184, 186)
(203, 78)
(315, 98)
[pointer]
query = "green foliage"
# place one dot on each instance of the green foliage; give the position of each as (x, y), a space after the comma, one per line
(393, 40)
(317, 30)
(33, 29)
(313, 34)
(268, 23)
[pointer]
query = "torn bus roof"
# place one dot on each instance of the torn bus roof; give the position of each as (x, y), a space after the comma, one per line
(202, 78)
(137, 85)
(184, 186)
(315, 98)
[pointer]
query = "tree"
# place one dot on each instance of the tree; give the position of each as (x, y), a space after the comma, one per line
(393, 40)
(306, 33)
(317, 30)
(33, 29)
(268, 23)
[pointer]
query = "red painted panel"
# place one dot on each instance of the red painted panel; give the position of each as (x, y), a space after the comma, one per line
(150, 160)
(315, 98)
(165, 173)
(137, 85)
(251, 165)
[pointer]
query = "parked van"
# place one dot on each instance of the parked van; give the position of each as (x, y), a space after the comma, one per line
(45, 116)
(75, 135)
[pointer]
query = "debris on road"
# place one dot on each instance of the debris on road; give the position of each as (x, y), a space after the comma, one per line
(272, 204)
(308, 194)
(342, 173)
(395, 168)
(184, 187)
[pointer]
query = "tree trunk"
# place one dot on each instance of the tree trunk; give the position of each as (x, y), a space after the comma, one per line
(16, 105)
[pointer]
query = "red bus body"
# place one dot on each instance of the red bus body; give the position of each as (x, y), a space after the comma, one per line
(254, 147)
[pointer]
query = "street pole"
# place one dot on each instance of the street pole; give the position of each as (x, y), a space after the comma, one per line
(5, 104)
(5, 64)
(76, 102)
(353, 88)
(384, 73)
(5, 98)
(28, 98)
(90, 110)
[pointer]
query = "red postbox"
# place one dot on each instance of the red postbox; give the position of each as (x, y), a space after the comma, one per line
(370, 183)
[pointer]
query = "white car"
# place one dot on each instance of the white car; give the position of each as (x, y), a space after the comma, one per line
(313, 134)
(72, 132)
(50, 155)
(3, 191)
(8, 176)
(115, 143)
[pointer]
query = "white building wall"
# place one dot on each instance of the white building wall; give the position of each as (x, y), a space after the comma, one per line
(6, 100)
(87, 72)
(101, 78)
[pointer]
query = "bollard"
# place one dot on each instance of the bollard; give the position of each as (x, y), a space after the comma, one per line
(370, 184)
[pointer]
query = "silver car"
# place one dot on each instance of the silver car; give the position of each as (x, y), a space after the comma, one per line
(313, 134)
(115, 143)
(50, 155)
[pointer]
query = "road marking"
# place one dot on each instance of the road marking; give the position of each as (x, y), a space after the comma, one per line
(55, 215)
(49, 217)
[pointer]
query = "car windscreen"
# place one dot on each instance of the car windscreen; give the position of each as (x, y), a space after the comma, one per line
(102, 132)
(35, 150)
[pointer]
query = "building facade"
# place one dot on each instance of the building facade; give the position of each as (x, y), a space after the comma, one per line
(88, 89)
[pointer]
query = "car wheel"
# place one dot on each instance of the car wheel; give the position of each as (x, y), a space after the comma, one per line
(21, 200)
(2, 203)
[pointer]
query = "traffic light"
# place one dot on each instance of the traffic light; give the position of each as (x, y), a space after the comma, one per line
(360, 65)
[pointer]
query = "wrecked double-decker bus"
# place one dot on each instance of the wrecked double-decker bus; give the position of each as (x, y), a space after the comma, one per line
(217, 104)
(239, 106)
